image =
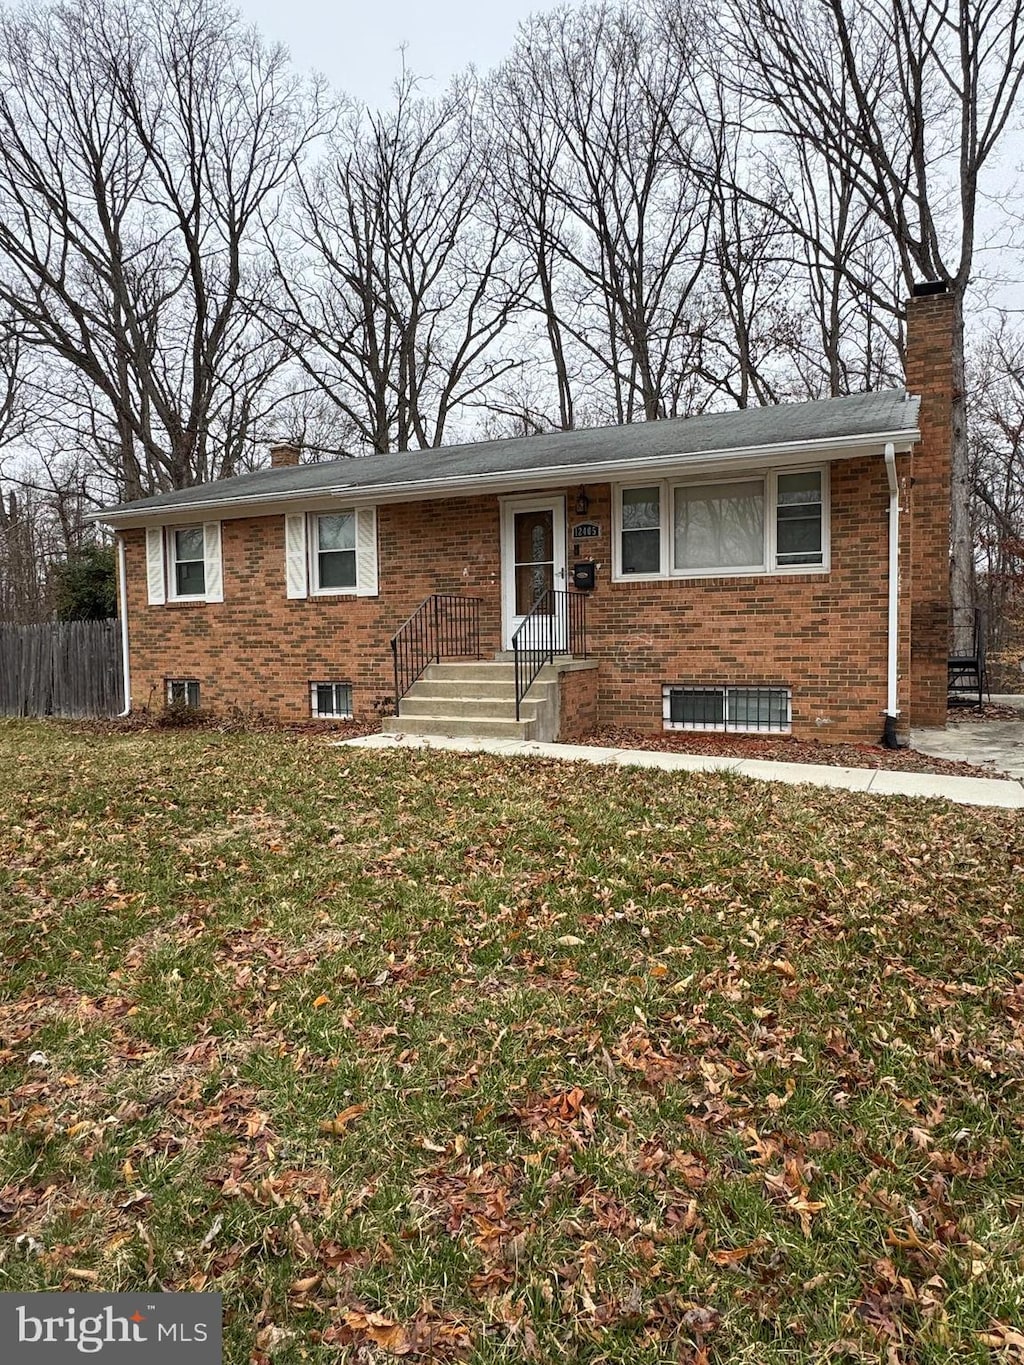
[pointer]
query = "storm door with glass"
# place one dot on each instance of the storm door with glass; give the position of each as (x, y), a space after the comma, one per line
(533, 559)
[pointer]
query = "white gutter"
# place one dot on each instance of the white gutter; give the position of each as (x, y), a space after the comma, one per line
(891, 708)
(122, 586)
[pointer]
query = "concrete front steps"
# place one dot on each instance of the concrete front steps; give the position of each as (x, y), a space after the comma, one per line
(478, 699)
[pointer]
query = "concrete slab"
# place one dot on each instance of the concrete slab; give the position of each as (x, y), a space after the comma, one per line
(684, 763)
(998, 744)
(567, 753)
(971, 791)
(967, 791)
(817, 774)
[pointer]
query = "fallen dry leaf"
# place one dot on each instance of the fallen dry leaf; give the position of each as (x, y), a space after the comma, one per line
(339, 1125)
(733, 1255)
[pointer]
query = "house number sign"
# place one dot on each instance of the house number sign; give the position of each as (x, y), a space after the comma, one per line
(586, 530)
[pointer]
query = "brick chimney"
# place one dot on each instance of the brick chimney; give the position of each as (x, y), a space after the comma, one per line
(929, 368)
(283, 453)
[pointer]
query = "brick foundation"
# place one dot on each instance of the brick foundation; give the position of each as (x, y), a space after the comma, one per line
(577, 704)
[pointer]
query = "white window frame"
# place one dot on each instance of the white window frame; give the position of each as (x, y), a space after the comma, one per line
(313, 553)
(170, 537)
(161, 563)
(301, 553)
(770, 568)
(188, 684)
(725, 728)
(330, 715)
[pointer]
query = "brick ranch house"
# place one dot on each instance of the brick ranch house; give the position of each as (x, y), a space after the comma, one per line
(782, 568)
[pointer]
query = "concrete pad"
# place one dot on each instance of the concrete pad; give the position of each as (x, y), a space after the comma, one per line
(998, 744)
(567, 753)
(815, 774)
(684, 763)
(966, 791)
(366, 742)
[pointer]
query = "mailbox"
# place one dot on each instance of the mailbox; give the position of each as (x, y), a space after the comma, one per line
(584, 575)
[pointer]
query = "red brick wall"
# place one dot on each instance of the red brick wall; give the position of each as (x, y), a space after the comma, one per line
(824, 635)
(577, 704)
(259, 650)
(930, 375)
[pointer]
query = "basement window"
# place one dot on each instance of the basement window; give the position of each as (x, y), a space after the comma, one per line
(740, 710)
(183, 692)
(331, 701)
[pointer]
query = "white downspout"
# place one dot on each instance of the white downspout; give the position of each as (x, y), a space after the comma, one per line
(891, 708)
(122, 593)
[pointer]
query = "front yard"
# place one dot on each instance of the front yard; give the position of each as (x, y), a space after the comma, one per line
(442, 1058)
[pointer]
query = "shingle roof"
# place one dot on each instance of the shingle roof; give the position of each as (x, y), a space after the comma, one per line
(580, 454)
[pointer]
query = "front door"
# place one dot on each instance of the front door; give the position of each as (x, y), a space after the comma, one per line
(533, 560)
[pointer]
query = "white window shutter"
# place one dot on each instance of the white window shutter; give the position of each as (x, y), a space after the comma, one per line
(155, 581)
(366, 552)
(296, 559)
(212, 566)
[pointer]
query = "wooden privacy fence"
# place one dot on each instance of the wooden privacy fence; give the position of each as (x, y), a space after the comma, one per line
(64, 668)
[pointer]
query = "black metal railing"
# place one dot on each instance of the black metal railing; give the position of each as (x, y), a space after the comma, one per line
(445, 625)
(556, 624)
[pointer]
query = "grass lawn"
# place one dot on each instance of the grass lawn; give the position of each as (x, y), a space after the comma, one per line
(458, 1058)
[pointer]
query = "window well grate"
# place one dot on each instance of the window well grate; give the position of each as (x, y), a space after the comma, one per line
(742, 710)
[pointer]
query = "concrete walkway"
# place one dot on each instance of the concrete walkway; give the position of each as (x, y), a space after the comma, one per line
(967, 791)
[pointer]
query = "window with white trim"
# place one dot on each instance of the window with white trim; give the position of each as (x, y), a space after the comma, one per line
(183, 564)
(641, 530)
(799, 518)
(331, 553)
(334, 552)
(776, 522)
(331, 700)
(737, 709)
(185, 545)
(183, 692)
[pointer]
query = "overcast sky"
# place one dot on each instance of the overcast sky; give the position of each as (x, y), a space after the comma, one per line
(357, 46)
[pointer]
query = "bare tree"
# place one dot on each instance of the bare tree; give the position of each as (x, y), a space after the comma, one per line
(905, 101)
(619, 235)
(527, 154)
(400, 278)
(139, 142)
(996, 369)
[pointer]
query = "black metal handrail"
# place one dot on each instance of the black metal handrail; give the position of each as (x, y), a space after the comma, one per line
(445, 625)
(555, 624)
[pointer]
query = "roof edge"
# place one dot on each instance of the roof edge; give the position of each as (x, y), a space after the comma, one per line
(605, 471)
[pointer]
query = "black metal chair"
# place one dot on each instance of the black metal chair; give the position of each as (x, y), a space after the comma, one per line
(967, 681)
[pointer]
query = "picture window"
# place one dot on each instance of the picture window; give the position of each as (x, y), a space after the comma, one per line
(772, 523)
